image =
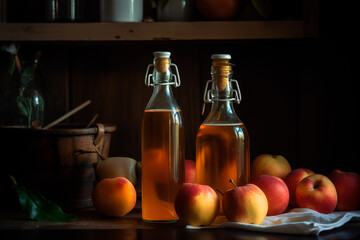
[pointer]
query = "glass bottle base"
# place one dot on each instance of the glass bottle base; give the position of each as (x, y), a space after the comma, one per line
(161, 221)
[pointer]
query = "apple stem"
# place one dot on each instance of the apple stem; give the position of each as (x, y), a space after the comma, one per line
(219, 192)
(232, 181)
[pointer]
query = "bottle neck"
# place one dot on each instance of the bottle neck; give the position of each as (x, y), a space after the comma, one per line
(163, 90)
(162, 97)
(221, 87)
(222, 97)
(162, 72)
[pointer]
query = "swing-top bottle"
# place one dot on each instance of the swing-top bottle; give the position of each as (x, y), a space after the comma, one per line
(222, 142)
(162, 143)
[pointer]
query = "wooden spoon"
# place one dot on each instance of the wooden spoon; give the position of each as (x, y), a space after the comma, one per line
(66, 115)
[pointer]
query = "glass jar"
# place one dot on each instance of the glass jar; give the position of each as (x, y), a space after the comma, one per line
(23, 99)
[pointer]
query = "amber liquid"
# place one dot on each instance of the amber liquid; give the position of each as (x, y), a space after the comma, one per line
(222, 152)
(163, 167)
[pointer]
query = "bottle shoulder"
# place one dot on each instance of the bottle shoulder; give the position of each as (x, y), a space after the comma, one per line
(222, 112)
(162, 98)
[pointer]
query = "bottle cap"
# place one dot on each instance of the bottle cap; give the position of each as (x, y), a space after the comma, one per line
(162, 54)
(221, 56)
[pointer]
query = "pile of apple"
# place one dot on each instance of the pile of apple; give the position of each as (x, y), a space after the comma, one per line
(274, 189)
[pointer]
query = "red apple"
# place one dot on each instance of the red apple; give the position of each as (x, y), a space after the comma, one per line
(246, 204)
(267, 164)
(347, 186)
(190, 171)
(316, 192)
(196, 204)
(276, 192)
(292, 179)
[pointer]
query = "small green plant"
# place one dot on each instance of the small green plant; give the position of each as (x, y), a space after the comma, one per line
(38, 207)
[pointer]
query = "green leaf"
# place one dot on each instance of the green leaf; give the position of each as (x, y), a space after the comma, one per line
(263, 7)
(27, 76)
(12, 65)
(41, 209)
(25, 107)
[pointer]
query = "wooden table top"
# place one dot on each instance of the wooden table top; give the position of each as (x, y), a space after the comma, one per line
(91, 225)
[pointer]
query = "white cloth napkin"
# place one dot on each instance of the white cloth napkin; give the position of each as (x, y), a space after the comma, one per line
(298, 221)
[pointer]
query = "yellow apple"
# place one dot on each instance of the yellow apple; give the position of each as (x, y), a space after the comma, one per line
(267, 164)
(117, 167)
(196, 204)
(246, 204)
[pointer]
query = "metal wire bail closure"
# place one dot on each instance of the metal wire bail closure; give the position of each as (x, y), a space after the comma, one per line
(236, 92)
(149, 76)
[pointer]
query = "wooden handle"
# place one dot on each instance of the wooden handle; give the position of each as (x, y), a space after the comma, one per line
(100, 133)
(68, 114)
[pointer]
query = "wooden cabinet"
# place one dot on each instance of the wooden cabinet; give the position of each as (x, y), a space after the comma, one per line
(288, 106)
(115, 32)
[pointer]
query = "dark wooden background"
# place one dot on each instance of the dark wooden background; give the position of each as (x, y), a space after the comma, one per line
(299, 95)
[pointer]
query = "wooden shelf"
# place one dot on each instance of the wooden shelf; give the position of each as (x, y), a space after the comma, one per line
(226, 30)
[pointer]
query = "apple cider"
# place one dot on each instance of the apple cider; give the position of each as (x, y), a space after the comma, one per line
(222, 152)
(162, 163)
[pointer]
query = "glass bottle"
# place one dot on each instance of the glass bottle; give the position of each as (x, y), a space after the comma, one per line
(24, 99)
(222, 141)
(162, 144)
